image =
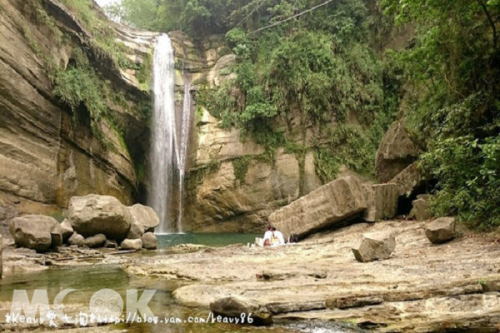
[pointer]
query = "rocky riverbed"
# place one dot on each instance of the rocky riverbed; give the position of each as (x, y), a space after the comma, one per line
(422, 287)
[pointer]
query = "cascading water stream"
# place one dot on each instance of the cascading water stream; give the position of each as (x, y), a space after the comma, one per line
(163, 133)
(183, 149)
(169, 144)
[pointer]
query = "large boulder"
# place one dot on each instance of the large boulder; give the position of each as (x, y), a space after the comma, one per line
(34, 231)
(56, 236)
(131, 244)
(395, 152)
(407, 179)
(375, 246)
(331, 203)
(98, 214)
(149, 241)
(441, 230)
(382, 201)
(421, 210)
(236, 306)
(66, 229)
(145, 216)
(136, 231)
(95, 241)
(76, 239)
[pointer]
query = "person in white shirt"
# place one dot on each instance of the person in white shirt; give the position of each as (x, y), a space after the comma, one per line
(277, 237)
(267, 236)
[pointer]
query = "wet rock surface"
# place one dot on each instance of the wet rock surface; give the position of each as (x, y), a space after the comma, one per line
(427, 286)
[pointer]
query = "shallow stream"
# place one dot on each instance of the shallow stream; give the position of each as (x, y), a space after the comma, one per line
(87, 280)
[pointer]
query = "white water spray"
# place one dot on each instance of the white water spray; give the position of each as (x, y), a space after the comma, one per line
(169, 145)
(163, 133)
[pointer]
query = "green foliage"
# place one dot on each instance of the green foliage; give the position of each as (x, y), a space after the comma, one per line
(351, 146)
(80, 87)
(145, 72)
(240, 167)
(454, 69)
(195, 176)
(41, 18)
(140, 171)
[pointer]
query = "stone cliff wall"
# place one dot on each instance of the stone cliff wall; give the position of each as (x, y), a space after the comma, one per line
(45, 155)
(232, 183)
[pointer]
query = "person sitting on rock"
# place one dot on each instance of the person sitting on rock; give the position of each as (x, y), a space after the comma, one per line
(276, 237)
(267, 236)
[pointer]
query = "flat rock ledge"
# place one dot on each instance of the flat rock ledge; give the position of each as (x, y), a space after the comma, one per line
(418, 288)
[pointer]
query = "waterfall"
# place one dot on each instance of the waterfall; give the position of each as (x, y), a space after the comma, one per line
(163, 133)
(169, 146)
(183, 149)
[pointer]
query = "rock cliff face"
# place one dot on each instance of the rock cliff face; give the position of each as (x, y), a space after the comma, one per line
(232, 183)
(45, 155)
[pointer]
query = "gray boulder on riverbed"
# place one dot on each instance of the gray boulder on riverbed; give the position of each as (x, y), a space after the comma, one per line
(76, 239)
(37, 232)
(145, 216)
(441, 230)
(66, 229)
(375, 246)
(95, 214)
(136, 231)
(95, 241)
(149, 241)
(131, 244)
